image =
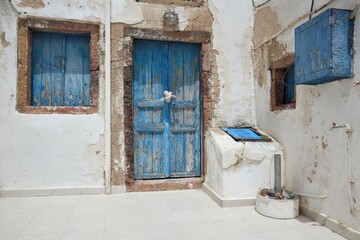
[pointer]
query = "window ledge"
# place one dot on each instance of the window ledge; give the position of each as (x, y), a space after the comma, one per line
(57, 109)
(289, 106)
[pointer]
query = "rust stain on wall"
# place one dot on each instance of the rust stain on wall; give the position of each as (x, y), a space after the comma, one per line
(3, 40)
(32, 3)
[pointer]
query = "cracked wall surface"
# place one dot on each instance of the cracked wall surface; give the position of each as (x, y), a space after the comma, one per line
(224, 71)
(75, 157)
(317, 159)
(236, 170)
(47, 151)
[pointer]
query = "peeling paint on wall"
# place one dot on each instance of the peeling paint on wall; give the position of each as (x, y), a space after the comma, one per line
(3, 40)
(266, 23)
(317, 158)
(32, 3)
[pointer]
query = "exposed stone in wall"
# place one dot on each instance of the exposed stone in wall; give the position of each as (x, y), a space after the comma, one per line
(266, 24)
(32, 3)
(263, 56)
(117, 109)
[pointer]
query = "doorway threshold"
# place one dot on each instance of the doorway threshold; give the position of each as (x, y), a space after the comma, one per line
(165, 184)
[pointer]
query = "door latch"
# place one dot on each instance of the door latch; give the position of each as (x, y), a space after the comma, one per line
(168, 96)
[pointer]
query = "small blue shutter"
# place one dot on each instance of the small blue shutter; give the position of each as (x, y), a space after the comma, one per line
(60, 69)
(290, 85)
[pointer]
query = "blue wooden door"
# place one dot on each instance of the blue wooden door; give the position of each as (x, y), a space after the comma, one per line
(167, 131)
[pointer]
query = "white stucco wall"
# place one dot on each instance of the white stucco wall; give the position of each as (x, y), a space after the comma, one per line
(316, 157)
(237, 170)
(63, 150)
(46, 150)
(232, 35)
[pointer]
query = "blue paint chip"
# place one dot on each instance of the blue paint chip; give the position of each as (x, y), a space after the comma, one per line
(245, 134)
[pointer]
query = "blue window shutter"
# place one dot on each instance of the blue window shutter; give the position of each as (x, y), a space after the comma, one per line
(60, 69)
(289, 85)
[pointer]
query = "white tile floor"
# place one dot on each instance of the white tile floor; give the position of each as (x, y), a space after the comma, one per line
(171, 215)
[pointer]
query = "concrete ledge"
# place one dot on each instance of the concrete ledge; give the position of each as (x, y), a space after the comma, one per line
(227, 202)
(330, 223)
(52, 192)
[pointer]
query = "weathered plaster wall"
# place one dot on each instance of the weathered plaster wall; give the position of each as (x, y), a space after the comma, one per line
(232, 33)
(316, 157)
(237, 170)
(231, 90)
(130, 14)
(40, 151)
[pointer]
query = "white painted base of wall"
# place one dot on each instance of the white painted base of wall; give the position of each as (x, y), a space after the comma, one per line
(237, 170)
(277, 208)
(118, 189)
(330, 223)
(52, 192)
(227, 202)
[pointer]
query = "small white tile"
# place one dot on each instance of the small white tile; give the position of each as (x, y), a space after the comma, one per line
(237, 227)
(12, 228)
(128, 233)
(43, 225)
(266, 224)
(83, 235)
(200, 230)
(51, 236)
(64, 201)
(7, 203)
(92, 190)
(33, 202)
(250, 236)
(162, 232)
(80, 224)
(223, 213)
(10, 193)
(129, 218)
(93, 200)
(51, 212)
(288, 235)
(321, 233)
(191, 216)
(36, 192)
(153, 217)
(66, 191)
(118, 189)
(89, 210)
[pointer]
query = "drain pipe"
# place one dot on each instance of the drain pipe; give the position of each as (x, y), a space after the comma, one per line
(277, 172)
(107, 98)
(351, 180)
(311, 195)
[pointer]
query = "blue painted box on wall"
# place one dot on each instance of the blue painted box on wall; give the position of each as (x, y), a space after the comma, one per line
(323, 48)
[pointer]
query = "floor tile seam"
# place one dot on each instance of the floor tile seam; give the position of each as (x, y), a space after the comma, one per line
(166, 200)
(105, 220)
(27, 225)
(67, 222)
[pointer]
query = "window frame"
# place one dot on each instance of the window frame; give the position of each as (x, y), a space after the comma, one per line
(277, 91)
(25, 28)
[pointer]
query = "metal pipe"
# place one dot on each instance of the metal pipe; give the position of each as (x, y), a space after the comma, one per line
(277, 172)
(311, 195)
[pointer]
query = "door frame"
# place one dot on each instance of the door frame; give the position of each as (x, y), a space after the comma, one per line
(187, 37)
